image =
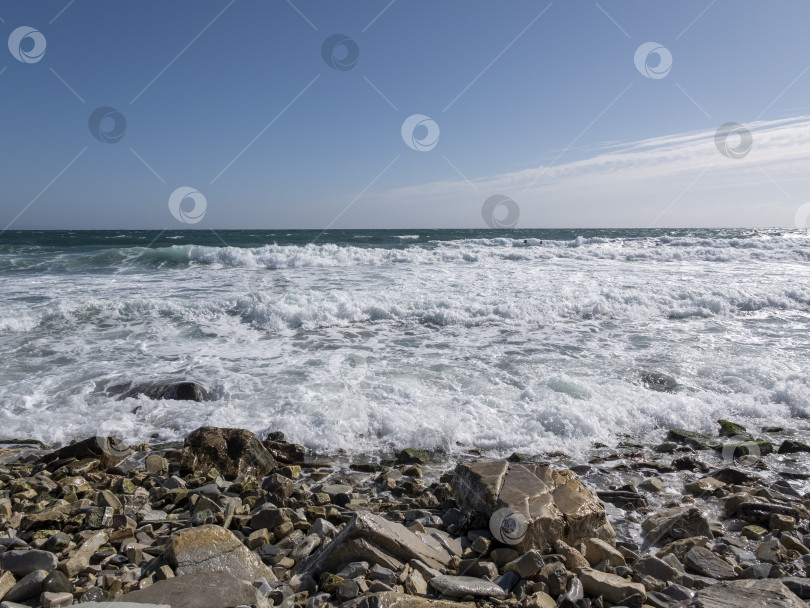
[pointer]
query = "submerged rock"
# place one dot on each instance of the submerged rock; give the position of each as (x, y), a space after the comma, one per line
(541, 504)
(656, 381)
(178, 391)
(696, 440)
(232, 452)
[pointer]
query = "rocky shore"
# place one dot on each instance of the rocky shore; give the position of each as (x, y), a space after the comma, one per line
(225, 519)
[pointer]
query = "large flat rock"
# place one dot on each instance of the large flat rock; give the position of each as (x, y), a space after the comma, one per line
(554, 504)
(369, 537)
(212, 548)
(203, 590)
(763, 593)
(391, 599)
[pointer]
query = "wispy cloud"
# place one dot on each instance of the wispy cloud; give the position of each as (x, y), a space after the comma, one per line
(631, 183)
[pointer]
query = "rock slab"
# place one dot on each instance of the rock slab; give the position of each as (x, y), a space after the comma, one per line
(765, 593)
(211, 548)
(203, 590)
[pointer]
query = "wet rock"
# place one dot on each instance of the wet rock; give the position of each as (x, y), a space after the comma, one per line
(629, 501)
(369, 537)
(696, 440)
(201, 590)
(108, 451)
(56, 582)
(461, 586)
(789, 446)
(21, 563)
(705, 563)
(232, 452)
(210, 548)
(656, 381)
(731, 429)
(745, 593)
(287, 453)
(613, 588)
(681, 521)
(179, 391)
(413, 456)
(553, 504)
(760, 513)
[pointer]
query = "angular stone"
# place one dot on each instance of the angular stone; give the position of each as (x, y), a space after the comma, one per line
(108, 451)
(657, 568)
(705, 563)
(232, 452)
(527, 565)
(212, 548)
(369, 537)
(7, 581)
(573, 558)
(688, 521)
(760, 513)
(460, 586)
(391, 599)
(21, 563)
(51, 599)
(698, 441)
(597, 551)
(80, 558)
(548, 504)
(201, 590)
(613, 588)
(766, 593)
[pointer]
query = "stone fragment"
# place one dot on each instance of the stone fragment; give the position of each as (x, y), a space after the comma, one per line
(613, 588)
(369, 537)
(677, 522)
(598, 551)
(767, 593)
(760, 513)
(21, 563)
(392, 599)
(50, 599)
(706, 563)
(200, 590)
(212, 548)
(527, 565)
(539, 504)
(80, 558)
(460, 586)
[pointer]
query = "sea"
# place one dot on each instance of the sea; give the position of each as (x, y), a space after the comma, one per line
(367, 341)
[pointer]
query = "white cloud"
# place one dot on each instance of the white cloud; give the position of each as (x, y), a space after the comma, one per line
(673, 180)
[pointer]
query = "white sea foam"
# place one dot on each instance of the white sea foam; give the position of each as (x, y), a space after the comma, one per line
(486, 342)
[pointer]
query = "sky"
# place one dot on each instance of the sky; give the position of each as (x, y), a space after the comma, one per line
(404, 114)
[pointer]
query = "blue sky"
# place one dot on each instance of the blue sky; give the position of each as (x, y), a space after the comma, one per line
(537, 101)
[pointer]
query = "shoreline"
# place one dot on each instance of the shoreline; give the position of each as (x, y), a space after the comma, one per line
(101, 521)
